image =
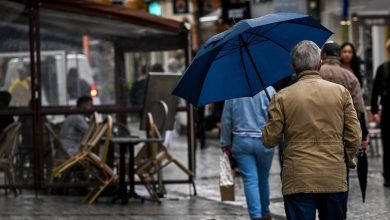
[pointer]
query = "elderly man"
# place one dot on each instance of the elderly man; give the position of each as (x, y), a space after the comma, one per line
(319, 123)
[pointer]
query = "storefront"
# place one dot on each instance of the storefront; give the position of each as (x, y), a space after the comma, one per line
(48, 38)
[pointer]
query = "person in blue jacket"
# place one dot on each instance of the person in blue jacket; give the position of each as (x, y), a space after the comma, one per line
(242, 122)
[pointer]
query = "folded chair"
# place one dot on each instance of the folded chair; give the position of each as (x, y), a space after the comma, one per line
(58, 154)
(93, 125)
(147, 169)
(94, 162)
(9, 140)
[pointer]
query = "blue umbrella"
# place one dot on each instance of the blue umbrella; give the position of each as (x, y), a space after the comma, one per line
(242, 61)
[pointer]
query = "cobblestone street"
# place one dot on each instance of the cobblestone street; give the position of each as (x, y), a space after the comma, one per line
(178, 204)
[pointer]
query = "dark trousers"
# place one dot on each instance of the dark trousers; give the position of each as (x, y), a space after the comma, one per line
(302, 206)
(385, 129)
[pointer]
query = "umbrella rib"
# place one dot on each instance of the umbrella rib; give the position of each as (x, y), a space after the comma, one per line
(243, 65)
(261, 35)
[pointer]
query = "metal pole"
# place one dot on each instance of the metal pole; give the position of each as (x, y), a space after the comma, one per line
(38, 99)
(120, 82)
(33, 10)
(190, 119)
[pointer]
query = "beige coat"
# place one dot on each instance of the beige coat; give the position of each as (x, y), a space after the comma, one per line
(319, 122)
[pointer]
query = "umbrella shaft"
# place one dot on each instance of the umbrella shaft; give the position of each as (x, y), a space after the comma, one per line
(254, 65)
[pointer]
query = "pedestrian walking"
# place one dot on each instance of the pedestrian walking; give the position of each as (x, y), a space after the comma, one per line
(350, 61)
(332, 70)
(381, 89)
(242, 121)
(319, 123)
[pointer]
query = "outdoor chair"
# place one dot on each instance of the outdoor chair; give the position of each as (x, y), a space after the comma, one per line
(9, 139)
(93, 125)
(58, 154)
(159, 157)
(92, 159)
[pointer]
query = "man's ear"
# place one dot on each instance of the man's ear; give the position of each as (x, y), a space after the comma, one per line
(319, 65)
(293, 68)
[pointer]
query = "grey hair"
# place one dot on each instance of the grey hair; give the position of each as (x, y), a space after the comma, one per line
(306, 55)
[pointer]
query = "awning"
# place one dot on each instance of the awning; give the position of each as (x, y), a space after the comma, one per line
(376, 13)
(65, 21)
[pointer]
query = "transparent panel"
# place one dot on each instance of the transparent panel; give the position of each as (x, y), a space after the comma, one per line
(101, 56)
(138, 65)
(14, 40)
(73, 63)
(15, 144)
(25, 152)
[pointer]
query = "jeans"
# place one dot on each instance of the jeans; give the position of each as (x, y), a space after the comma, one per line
(254, 161)
(302, 206)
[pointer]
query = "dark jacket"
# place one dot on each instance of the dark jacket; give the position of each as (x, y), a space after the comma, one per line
(381, 87)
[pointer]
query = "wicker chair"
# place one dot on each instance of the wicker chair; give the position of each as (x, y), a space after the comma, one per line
(92, 159)
(9, 140)
(159, 157)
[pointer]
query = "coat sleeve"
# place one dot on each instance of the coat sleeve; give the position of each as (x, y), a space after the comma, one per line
(357, 96)
(377, 89)
(274, 126)
(352, 134)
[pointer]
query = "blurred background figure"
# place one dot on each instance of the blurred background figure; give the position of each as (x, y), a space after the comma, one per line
(76, 86)
(5, 100)
(214, 119)
(75, 126)
(381, 89)
(157, 67)
(332, 71)
(173, 65)
(20, 89)
(137, 92)
(350, 61)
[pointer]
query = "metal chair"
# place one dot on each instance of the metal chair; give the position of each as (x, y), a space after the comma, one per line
(8, 144)
(159, 157)
(92, 159)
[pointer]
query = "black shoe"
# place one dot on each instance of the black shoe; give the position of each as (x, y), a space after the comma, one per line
(386, 184)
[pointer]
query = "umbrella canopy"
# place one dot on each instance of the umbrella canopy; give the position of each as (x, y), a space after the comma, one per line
(362, 169)
(245, 59)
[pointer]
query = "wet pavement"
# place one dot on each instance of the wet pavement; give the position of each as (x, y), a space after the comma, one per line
(179, 202)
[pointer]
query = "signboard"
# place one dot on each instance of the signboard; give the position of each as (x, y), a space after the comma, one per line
(375, 21)
(180, 6)
(233, 12)
(286, 5)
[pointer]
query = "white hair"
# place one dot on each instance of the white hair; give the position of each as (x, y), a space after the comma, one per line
(306, 55)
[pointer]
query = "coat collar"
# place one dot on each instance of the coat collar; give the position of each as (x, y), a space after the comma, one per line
(309, 74)
(331, 61)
